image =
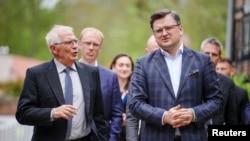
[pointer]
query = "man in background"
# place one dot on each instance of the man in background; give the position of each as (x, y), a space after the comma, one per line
(213, 47)
(151, 45)
(225, 67)
(90, 44)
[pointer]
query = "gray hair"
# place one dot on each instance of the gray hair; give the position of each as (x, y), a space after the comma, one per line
(213, 41)
(52, 36)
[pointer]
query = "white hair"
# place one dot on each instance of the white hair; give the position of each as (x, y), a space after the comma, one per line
(52, 36)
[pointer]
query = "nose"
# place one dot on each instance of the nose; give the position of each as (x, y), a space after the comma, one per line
(218, 70)
(75, 45)
(210, 54)
(164, 31)
(91, 46)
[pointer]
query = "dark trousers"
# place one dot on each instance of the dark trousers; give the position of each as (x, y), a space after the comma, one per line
(177, 138)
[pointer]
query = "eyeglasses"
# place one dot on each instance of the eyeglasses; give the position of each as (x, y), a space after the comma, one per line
(166, 28)
(68, 43)
(95, 45)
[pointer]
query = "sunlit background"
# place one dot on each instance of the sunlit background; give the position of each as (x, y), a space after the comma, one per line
(125, 24)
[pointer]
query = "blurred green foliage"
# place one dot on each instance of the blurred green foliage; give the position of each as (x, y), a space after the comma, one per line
(125, 24)
(23, 26)
(11, 89)
(243, 81)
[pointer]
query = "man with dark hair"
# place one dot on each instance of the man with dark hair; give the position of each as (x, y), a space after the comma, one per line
(225, 67)
(174, 89)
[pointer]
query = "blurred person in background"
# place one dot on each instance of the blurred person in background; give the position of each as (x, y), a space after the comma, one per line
(47, 103)
(151, 45)
(186, 40)
(123, 65)
(225, 67)
(213, 47)
(90, 44)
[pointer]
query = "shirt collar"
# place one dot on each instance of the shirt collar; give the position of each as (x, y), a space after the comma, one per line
(96, 63)
(179, 51)
(60, 67)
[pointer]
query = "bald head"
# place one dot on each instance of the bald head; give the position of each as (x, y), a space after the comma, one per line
(151, 45)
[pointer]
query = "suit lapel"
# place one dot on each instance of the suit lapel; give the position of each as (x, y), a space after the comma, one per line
(185, 68)
(162, 68)
(84, 78)
(54, 82)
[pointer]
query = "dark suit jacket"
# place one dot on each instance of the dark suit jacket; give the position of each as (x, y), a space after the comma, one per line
(152, 94)
(247, 113)
(241, 101)
(229, 114)
(112, 102)
(42, 91)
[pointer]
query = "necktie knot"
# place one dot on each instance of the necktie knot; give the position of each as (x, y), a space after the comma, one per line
(66, 70)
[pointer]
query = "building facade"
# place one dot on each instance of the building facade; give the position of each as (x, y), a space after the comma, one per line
(238, 35)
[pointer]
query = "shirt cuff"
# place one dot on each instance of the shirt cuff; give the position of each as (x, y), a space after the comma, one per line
(162, 119)
(51, 115)
(193, 113)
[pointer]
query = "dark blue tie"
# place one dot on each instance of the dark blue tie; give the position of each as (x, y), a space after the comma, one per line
(68, 96)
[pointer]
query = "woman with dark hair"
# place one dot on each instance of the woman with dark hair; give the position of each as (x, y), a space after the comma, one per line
(123, 65)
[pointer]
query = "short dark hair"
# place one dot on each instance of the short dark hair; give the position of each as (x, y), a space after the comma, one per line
(162, 13)
(226, 60)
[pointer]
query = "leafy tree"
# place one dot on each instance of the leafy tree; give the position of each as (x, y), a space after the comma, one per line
(23, 26)
(125, 24)
(243, 81)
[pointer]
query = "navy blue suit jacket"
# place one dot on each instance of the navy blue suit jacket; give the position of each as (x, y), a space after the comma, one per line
(112, 102)
(247, 113)
(152, 94)
(42, 91)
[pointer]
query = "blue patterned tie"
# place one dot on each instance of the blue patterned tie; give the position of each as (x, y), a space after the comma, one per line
(68, 96)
